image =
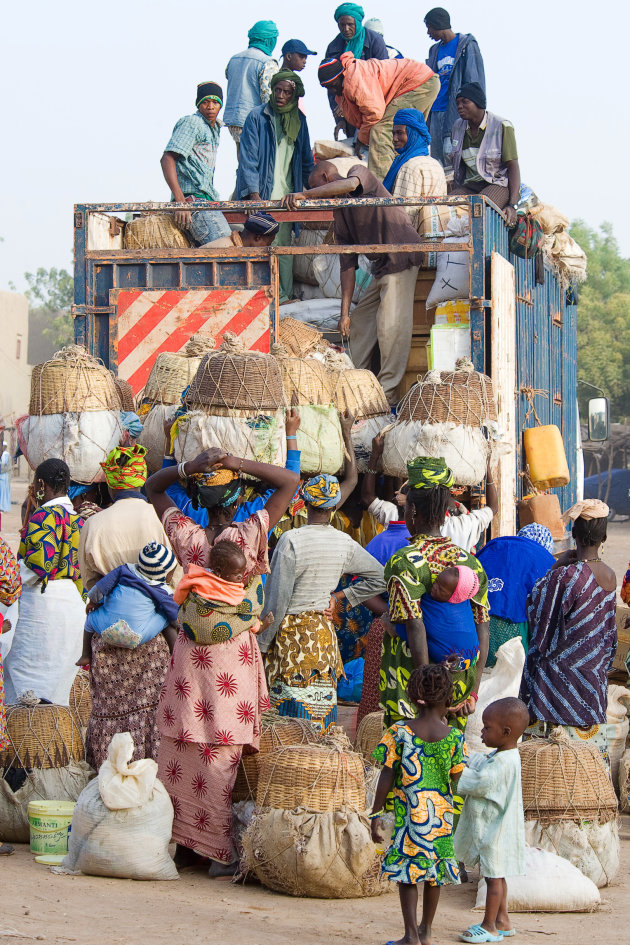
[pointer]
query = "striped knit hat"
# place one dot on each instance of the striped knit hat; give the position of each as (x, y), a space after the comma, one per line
(155, 561)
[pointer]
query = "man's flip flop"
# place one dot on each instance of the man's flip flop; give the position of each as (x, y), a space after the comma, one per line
(477, 933)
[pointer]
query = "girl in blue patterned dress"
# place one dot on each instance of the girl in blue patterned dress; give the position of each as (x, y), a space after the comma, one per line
(422, 758)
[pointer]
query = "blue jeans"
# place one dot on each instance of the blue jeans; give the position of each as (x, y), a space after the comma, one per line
(207, 225)
(441, 144)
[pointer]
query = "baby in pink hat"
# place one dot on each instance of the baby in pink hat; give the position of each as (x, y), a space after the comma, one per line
(455, 585)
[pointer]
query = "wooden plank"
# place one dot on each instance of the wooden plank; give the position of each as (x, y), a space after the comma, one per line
(503, 372)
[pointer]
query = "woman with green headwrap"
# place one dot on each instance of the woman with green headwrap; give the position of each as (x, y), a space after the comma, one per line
(276, 157)
(410, 573)
(249, 76)
(355, 38)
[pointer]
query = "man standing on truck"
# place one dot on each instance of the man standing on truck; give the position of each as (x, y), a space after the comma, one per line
(385, 312)
(188, 165)
(456, 58)
(248, 75)
(295, 54)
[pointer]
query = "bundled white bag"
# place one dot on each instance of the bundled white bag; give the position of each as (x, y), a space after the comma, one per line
(152, 436)
(259, 437)
(327, 271)
(464, 448)
(616, 727)
(323, 314)
(320, 440)
(452, 277)
(500, 682)
(363, 432)
(83, 440)
(551, 884)
(130, 838)
(591, 847)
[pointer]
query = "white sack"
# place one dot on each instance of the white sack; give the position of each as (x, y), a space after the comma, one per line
(617, 725)
(83, 440)
(327, 270)
(624, 781)
(452, 276)
(303, 265)
(260, 438)
(551, 884)
(320, 440)
(500, 682)
(126, 844)
(41, 784)
(123, 785)
(323, 314)
(363, 432)
(465, 449)
(152, 435)
(592, 848)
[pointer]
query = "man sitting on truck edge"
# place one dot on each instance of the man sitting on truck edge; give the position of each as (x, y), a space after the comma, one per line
(260, 229)
(385, 312)
(188, 165)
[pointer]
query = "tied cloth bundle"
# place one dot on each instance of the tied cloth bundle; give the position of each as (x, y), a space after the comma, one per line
(322, 492)
(587, 509)
(427, 472)
(126, 467)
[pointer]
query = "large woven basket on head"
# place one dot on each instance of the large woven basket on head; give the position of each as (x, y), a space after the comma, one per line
(565, 780)
(298, 338)
(369, 733)
(306, 381)
(42, 736)
(233, 377)
(320, 778)
(81, 699)
(276, 732)
(154, 231)
(125, 394)
(463, 396)
(72, 382)
(358, 392)
(173, 371)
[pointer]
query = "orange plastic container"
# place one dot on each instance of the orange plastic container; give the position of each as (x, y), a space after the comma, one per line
(547, 461)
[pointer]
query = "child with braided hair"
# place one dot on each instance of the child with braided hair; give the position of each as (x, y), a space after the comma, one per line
(422, 758)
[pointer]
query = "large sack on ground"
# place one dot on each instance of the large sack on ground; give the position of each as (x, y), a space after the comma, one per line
(318, 855)
(500, 682)
(551, 884)
(127, 842)
(616, 727)
(593, 848)
(18, 787)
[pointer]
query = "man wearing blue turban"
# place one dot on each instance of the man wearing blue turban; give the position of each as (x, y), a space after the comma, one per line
(413, 173)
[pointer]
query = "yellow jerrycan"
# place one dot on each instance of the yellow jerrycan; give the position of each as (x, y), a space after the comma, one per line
(547, 461)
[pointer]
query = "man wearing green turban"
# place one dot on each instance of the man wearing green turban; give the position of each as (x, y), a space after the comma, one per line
(276, 156)
(355, 38)
(249, 76)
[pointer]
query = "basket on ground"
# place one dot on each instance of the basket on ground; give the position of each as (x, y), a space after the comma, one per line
(80, 698)
(42, 736)
(276, 732)
(369, 734)
(319, 778)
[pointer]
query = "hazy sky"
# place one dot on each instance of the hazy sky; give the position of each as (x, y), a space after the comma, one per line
(91, 91)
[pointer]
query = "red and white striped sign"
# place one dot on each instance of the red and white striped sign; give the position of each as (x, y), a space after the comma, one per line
(155, 320)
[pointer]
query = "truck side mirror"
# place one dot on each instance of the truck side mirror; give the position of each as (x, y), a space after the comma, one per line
(598, 419)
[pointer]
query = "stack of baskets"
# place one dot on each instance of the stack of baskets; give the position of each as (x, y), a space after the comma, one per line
(236, 402)
(359, 393)
(276, 732)
(171, 374)
(570, 804)
(74, 414)
(307, 388)
(45, 761)
(310, 836)
(443, 415)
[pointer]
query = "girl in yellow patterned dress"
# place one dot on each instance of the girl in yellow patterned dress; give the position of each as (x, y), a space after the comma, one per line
(421, 758)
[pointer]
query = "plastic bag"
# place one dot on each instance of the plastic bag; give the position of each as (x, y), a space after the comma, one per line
(350, 688)
(500, 682)
(320, 440)
(123, 785)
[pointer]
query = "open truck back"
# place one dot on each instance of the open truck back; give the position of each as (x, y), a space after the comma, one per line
(129, 305)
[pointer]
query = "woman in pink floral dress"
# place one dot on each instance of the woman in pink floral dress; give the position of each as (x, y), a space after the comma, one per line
(214, 695)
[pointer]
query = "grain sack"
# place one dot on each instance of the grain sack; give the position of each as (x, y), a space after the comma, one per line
(320, 856)
(322, 778)
(155, 231)
(624, 781)
(260, 437)
(500, 682)
(320, 314)
(303, 265)
(616, 728)
(320, 440)
(452, 276)
(358, 392)
(276, 731)
(327, 271)
(152, 436)
(550, 218)
(434, 220)
(363, 432)
(83, 440)
(592, 848)
(326, 150)
(72, 382)
(173, 371)
(551, 884)
(465, 449)
(369, 733)
(235, 377)
(126, 842)
(18, 787)
(567, 257)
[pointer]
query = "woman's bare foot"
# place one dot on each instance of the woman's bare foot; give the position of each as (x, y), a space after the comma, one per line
(424, 932)
(222, 869)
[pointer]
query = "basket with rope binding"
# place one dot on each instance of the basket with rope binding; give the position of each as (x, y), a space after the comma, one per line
(80, 698)
(306, 381)
(237, 378)
(276, 731)
(154, 231)
(358, 392)
(173, 371)
(72, 382)
(369, 734)
(41, 736)
(298, 337)
(463, 396)
(321, 778)
(125, 394)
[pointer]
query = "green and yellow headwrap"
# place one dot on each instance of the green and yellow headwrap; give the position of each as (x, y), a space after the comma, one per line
(126, 467)
(426, 472)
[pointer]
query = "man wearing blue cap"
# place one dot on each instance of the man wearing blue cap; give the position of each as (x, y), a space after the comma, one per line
(260, 229)
(294, 54)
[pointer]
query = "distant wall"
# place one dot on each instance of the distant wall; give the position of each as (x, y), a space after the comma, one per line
(15, 372)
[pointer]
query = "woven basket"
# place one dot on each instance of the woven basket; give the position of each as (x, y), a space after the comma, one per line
(72, 382)
(320, 778)
(125, 394)
(564, 780)
(154, 231)
(298, 337)
(306, 381)
(237, 378)
(81, 699)
(359, 392)
(42, 736)
(173, 371)
(276, 732)
(463, 397)
(369, 734)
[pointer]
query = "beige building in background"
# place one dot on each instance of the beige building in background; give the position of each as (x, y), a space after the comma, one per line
(15, 373)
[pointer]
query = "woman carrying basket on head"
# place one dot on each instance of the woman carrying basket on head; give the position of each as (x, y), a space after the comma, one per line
(214, 693)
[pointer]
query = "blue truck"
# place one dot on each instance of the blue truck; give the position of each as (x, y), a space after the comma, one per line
(130, 304)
